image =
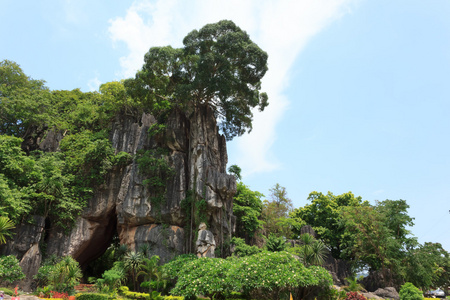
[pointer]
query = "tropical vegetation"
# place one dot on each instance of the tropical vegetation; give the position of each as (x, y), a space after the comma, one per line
(218, 69)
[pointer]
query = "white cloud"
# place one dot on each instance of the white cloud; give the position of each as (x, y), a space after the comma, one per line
(94, 84)
(280, 27)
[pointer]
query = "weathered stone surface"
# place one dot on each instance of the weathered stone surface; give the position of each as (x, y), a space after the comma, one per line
(123, 204)
(387, 293)
(377, 280)
(371, 296)
(164, 241)
(25, 236)
(30, 264)
(308, 229)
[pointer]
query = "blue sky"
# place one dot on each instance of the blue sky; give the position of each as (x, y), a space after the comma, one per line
(359, 90)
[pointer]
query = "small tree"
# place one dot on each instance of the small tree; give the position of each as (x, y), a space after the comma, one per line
(111, 279)
(132, 263)
(149, 269)
(65, 275)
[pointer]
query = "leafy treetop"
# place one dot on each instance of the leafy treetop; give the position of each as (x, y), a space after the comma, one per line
(219, 66)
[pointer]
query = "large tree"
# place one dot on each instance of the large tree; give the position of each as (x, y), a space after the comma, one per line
(219, 66)
(323, 214)
(23, 101)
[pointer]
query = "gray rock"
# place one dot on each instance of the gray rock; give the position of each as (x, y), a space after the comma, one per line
(371, 296)
(123, 204)
(387, 293)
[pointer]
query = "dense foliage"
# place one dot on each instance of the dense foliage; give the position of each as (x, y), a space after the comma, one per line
(265, 275)
(247, 207)
(219, 67)
(60, 275)
(409, 292)
(10, 269)
(323, 214)
(55, 185)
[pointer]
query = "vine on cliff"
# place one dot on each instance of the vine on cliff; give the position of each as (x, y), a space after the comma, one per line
(153, 164)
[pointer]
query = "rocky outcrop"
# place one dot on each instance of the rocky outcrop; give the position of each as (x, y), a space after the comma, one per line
(205, 242)
(123, 204)
(387, 293)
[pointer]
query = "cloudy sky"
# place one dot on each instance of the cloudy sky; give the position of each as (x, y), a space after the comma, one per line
(359, 90)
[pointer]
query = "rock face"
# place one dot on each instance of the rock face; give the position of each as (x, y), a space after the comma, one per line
(123, 204)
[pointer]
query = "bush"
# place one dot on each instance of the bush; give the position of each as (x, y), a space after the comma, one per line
(275, 243)
(203, 276)
(266, 275)
(92, 296)
(172, 298)
(8, 291)
(61, 276)
(10, 269)
(241, 249)
(173, 268)
(269, 275)
(409, 292)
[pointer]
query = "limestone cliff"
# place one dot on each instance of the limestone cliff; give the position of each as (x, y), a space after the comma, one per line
(196, 152)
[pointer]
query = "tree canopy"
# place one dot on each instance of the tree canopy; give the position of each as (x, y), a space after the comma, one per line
(219, 66)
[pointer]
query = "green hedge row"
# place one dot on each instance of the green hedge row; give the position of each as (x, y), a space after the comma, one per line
(92, 296)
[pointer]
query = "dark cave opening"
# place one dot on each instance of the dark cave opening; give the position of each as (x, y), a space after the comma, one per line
(96, 257)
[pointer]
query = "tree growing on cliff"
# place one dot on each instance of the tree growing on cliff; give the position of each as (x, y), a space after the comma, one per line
(219, 66)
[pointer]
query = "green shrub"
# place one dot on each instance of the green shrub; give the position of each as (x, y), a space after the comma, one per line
(61, 276)
(7, 291)
(92, 296)
(10, 269)
(409, 292)
(331, 293)
(173, 267)
(275, 243)
(269, 275)
(241, 249)
(172, 298)
(266, 275)
(203, 276)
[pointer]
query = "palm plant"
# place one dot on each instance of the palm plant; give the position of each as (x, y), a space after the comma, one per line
(318, 253)
(162, 279)
(144, 249)
(132, 262)
(149, 269)
(312, 251)
(65, 275)
(120, 251)
(5, 225)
